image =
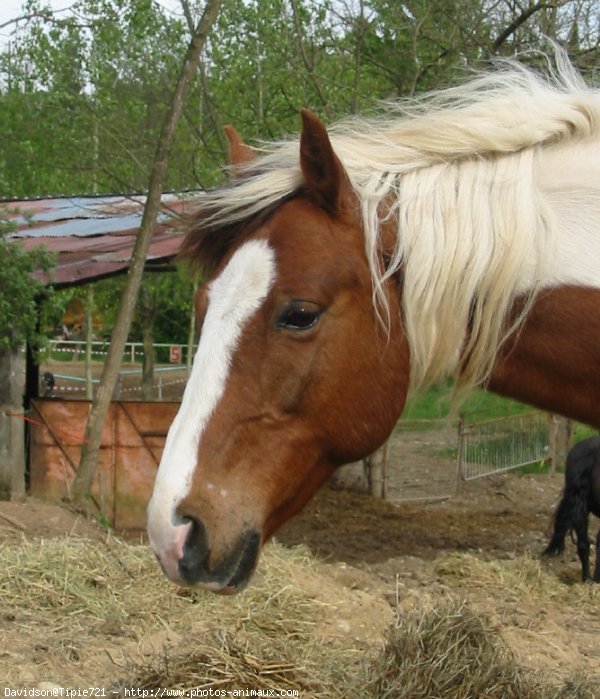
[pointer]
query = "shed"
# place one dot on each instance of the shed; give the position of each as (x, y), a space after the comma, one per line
(93, 238)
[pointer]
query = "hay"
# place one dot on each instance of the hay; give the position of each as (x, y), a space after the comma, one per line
(226, 661)
(72, 603)
(452, 652)
(82, 579)
(79, 595)
(524, 576)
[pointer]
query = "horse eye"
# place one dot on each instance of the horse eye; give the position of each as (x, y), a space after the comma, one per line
(299, 315)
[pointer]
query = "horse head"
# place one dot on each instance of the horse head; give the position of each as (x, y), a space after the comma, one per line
(463, 226)
(295, 372)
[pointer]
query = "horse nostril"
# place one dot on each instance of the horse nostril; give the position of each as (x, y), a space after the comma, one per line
(193, 563)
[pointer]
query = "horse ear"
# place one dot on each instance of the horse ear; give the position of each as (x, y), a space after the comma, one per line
(323, 172)
(239, 152)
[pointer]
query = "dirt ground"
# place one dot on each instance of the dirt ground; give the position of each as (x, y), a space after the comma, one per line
(403, 555)
(498, 516)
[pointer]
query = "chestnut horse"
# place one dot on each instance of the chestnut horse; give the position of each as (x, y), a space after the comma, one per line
(459, 236)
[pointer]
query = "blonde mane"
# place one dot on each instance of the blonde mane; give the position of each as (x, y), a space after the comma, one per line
(455, 170)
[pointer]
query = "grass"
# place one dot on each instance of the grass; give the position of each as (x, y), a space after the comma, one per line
(581, 431)
(436, 404)
(535, 468)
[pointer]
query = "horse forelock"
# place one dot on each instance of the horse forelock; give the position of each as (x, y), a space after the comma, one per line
(211, 235)
(455, 171)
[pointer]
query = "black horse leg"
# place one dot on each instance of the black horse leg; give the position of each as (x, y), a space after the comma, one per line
(557, 542)
(583, 547)
(597, 566)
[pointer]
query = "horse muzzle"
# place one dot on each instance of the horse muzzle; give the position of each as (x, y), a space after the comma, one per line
(228, 575)
(186, 557)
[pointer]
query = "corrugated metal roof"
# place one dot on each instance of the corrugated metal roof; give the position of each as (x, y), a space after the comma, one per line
(93, 237)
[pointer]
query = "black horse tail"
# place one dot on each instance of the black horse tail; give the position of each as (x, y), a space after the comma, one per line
(573, 506)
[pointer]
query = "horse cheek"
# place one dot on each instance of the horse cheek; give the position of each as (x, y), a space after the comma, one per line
(288, 384)
(370, 394)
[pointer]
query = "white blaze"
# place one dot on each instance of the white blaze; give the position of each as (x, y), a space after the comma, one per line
(233, 297)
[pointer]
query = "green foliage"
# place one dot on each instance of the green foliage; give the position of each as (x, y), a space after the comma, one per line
(20, 293)
(172, 298)
(83, 92)
(84, 99)
(171, 295)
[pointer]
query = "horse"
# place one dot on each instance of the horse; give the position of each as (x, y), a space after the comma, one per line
(580, 496)
(453, 236)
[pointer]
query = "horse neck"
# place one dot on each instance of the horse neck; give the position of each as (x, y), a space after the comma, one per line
(554, 362)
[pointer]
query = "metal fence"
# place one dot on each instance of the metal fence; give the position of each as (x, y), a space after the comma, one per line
(168, 383)
(494, 446)
(427, 459)
(73, 350)
(72, 377)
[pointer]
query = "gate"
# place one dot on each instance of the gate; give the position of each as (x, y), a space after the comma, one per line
(428, 458)
(498, 445)
(132, 442)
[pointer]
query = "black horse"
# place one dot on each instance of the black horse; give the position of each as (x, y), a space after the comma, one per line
(580, 497)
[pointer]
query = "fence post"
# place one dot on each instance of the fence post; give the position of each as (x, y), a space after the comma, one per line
(117, 391)
(459, 454)
(376, 471)
(559, 433)
(12, 426)
(89, 336)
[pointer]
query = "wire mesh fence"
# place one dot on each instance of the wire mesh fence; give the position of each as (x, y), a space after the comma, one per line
(427, 459)
(494, 446)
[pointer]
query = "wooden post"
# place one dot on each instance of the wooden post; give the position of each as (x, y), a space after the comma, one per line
(192, 334)
(369, 474)
(376, 471)
(89, 337)
(559, 433)
(12, 426)
(459, 455)
(146, 311)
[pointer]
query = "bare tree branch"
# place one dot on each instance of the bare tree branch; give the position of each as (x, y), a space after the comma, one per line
(310, 69)
(520, 20)
(99, 410)
(45, 14)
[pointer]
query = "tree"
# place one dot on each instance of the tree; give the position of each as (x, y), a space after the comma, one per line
(20, 295)
(99, 409)
(82, 94)
(84, 98)
(20, 291)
